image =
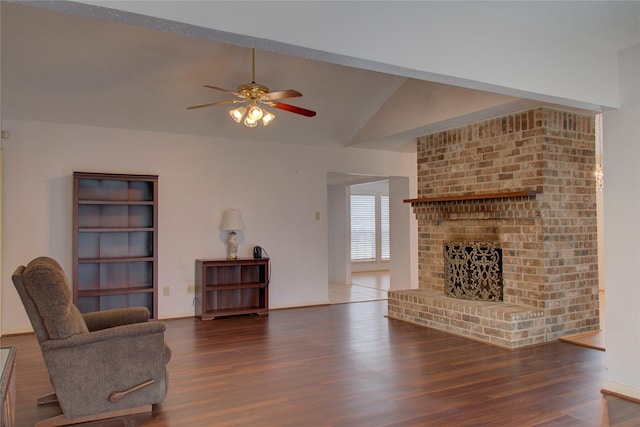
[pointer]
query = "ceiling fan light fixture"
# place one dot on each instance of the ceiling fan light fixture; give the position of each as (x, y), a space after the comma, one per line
(249, 122)
(238, 113)
(267, 118)
(255, 112)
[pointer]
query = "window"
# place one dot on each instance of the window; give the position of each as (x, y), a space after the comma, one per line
(363, 228)
(369, 228)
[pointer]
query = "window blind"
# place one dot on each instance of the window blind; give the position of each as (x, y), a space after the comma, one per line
(363, 227)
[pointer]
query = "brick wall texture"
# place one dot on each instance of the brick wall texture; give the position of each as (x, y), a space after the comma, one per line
(548, 239)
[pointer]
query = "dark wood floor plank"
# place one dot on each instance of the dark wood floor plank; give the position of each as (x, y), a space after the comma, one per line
(349, 365)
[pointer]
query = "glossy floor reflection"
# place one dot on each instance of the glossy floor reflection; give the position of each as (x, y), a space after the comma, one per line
(366, 286)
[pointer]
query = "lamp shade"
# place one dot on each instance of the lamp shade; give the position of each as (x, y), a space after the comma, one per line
(232, 220)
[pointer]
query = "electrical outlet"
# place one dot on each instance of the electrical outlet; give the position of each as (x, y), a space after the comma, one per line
(166, 290)
(191, 289)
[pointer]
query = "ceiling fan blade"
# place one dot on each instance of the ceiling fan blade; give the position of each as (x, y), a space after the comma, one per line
(230, 101)
(224, 90)
(292, 109)
(289, 93)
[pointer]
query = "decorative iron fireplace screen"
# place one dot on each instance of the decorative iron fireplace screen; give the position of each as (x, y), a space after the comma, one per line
(473, 270)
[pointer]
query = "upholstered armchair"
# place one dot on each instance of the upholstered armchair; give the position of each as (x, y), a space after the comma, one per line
(103, 364)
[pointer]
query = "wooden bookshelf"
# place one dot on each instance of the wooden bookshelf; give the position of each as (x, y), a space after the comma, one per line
(115, 241)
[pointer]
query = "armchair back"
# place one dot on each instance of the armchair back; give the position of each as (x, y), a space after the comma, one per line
(46, 295)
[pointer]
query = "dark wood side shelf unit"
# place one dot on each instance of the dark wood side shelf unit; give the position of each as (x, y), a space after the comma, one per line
(466, 197)
(227, 287)
(115, 241)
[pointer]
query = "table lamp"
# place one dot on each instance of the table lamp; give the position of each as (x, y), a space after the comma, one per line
(232, 222)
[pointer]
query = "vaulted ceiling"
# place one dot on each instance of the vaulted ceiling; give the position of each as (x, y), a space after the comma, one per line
(66, 68)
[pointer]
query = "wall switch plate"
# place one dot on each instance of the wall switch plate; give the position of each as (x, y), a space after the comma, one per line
(166, 290)
(191, 289)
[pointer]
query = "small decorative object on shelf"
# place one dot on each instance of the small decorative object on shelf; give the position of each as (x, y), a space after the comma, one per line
(232, 222)
(115, 241)
(227, 287)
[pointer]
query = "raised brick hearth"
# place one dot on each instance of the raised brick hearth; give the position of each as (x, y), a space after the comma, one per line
(526, 182)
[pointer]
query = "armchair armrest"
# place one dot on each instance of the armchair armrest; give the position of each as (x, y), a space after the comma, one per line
(117, 317)
(124, 332)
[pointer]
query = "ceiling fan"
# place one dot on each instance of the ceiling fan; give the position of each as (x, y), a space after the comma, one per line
(253, 95)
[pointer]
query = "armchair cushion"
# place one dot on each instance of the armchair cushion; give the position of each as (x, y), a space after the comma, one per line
(46, 284)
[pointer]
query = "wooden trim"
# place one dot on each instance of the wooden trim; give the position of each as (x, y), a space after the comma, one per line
(465, 197)
(620, 395)
(114, 176)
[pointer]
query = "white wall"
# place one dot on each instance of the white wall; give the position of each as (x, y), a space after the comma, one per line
(622, 231)
(278, 188)
(403, 235)
(339, 234)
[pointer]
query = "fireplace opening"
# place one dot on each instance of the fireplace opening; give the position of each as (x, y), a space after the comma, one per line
(473, 270)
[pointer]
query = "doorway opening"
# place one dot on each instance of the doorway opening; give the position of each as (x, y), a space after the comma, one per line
(373, 254)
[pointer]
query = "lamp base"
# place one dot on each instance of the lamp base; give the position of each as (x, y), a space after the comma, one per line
(232, 246)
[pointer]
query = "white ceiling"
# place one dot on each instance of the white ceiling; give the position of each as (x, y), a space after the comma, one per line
(66, 68)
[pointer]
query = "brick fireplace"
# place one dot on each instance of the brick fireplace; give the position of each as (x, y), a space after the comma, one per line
(524, 183)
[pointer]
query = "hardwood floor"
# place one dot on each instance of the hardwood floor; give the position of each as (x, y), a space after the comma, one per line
(366, 286)
(349, 365)
(372, 279)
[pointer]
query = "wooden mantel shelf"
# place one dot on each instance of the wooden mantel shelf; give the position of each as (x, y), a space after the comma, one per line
(465, 197)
